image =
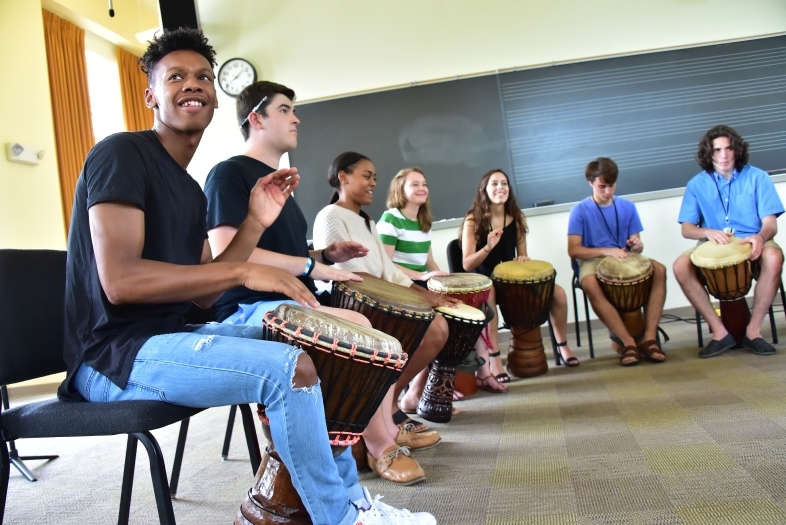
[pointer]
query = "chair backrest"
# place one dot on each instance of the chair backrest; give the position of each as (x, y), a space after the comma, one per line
(32, 293)
(455, 257)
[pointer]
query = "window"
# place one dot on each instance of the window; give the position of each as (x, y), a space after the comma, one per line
(103, 83)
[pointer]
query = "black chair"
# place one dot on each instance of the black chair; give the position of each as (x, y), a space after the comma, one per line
(576, 285)
(32, 288)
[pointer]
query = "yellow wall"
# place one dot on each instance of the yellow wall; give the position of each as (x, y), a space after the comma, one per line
(30, 212)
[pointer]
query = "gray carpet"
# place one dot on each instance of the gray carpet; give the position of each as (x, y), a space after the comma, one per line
(685, 442)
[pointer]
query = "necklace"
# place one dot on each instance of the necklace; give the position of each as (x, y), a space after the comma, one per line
(616, 217)
(726, 207)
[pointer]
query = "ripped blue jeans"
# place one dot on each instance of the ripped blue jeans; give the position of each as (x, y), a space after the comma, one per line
(219, 365)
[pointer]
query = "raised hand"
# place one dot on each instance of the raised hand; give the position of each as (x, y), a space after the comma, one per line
(271, 279)
(345, 250)
(493, 239)
(635, 243)
(269, 195)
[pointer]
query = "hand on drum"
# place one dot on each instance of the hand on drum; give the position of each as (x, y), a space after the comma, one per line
(425, 276)
(757, 245)
(523, 258)
(717, 236)
(271, 279)
(493, 239)
(269, 195)
(344, 251)
(434, 299)
(617, 253)
(326, 273)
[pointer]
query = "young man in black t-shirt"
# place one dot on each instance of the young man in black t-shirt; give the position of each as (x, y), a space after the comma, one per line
(266, 115)
(137, 258)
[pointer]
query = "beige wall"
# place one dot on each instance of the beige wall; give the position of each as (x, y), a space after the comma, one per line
(30, 212)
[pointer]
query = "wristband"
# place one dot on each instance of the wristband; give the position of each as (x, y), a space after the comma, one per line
(310, 263)
(325, 260)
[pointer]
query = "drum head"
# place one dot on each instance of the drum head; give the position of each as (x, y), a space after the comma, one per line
(459, 283)
(385, 293)
(634, 267)
(523, 271)
(304, 324)
(709, 255)
(463, 311)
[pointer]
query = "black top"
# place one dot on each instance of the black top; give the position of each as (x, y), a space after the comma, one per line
(228, 189)
(132, 168)
(505, 250)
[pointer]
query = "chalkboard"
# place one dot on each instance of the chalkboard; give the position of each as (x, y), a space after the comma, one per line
(543, 125)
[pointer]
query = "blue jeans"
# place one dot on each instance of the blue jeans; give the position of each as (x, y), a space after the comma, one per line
(219, 365)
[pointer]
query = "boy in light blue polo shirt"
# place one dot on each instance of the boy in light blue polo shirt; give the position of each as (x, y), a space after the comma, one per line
(731, 197)
(603, 226)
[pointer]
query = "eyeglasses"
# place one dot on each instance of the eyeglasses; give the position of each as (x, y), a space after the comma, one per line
(254, 110)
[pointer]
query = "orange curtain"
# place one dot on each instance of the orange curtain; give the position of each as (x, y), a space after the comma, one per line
(65, 52)
(132, 90)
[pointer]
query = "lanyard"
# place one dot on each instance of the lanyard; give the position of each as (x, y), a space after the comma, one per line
(726, 207)
(616, 216)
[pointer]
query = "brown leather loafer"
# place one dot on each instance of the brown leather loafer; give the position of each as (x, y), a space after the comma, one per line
(417, 440)
(396, 466)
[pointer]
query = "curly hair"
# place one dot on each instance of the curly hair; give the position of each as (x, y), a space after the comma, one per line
(481, 209)
(704, 155)
(603, 168)
(397, 199)
(175, 40)
(260, 91)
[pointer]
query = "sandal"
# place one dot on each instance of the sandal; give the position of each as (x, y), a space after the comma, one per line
(483, 384)
(629, 351)
(503, 377)
(651, 347)
(569, 362)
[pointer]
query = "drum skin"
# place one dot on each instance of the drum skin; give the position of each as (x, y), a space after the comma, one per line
(626, 282)
(465, 325)
(524, 292)
(472, 289)
(356, 365)
(725, 269)
(392, 309)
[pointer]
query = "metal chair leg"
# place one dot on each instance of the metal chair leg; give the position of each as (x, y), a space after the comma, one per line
(5, 472)
(557, 356)
(254, 455)
(228, 435)
(128, 481)
(589, 324)
(699, 335)
(181, 445)
(576, 316)
(772, 327)
(166, 514)
(14, 457)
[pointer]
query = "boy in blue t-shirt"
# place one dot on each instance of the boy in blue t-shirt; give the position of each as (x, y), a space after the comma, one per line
(604, 226)
(731, 197)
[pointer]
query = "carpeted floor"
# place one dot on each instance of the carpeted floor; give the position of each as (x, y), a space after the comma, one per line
(685, 442)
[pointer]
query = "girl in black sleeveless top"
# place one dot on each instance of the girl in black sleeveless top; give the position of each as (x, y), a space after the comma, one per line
(495, 231)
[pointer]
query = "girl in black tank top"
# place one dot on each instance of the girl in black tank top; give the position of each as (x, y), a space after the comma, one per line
(495, 231)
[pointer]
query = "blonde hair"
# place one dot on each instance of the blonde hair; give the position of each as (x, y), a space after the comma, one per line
(397, 199)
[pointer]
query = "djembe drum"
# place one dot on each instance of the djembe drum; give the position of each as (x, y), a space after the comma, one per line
(356, 366)
(465, 324)
(725, 269)
(626, 283)
(524, 291)
(472, 289)
(392, 309)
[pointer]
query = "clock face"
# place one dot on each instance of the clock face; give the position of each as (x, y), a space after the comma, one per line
(235, 74)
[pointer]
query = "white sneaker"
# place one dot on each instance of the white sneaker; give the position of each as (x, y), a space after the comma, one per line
(383, 514)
